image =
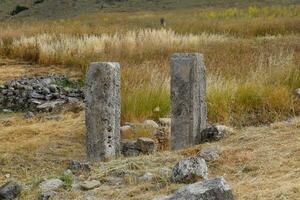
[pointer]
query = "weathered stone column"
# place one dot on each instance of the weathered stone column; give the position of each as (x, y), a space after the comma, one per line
(103, 109)
(188, 91)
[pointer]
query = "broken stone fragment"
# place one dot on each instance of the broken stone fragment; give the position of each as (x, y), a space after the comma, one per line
(129, 148)
(146, 145)
(189, 170)
(89, 185)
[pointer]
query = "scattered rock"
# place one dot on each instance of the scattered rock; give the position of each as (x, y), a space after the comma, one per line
(165, 121)
(215, 189)
(112, 180)
(75, 165)
(29, 115)
(146, 145)
(89, 185)
(297, 92)
(151, 123)
(68, 172)
(46, 195)
(129, 148)
(138, 147)
(50, 106)
(51, 184)
(156, 109)
(10, 190)
(213, 133)
(7, 111)
(7, 176)
(146, 177)
(209, 154)
(189, 170)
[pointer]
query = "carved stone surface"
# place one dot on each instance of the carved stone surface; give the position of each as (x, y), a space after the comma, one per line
(103, 109)
(188, 92)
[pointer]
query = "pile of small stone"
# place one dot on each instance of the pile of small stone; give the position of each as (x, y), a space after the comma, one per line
(138, 147)
(39, 93)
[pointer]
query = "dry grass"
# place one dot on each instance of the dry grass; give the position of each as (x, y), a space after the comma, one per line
(252, 56)
(262, 163)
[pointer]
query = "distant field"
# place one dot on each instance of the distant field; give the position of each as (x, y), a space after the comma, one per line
(59, 9)
(252, 54)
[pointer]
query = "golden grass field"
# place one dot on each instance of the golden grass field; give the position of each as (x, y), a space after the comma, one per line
(252, 55)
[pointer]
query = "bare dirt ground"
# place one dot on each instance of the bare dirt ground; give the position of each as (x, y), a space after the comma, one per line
(258, 162)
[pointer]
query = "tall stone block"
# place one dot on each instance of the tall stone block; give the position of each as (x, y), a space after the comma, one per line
(103, 110)
(188, 93)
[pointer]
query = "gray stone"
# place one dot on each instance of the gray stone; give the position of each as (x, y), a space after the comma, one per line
(215, 189)
(151, 123)
(129, 148)
(165, 121)
(10, 190)
(103, 107)
(53, 88)
(29, 115)
(89, 185)
(146, 177)
(7, 111)
(213, 133)
(113, 181)
(209, 154)
(297, 92)
(146, 145)
(188, 93)
(75, 165)
(46, 195)
(51, 105)
(36, 95)
(189, 170)
(51, 184)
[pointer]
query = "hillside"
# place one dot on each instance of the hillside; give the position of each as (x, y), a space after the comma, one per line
(55, 9)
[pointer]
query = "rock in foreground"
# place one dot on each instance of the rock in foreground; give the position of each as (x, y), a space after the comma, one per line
(10, 190)
(215, 189)
(189, 170)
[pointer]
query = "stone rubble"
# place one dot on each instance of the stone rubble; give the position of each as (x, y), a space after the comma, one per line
(39, 93)
(138, 147)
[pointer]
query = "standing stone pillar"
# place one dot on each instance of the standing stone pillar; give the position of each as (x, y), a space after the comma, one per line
(188, 91)
(103, 108)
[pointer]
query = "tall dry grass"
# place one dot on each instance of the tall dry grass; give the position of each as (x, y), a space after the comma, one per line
(251, 72)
